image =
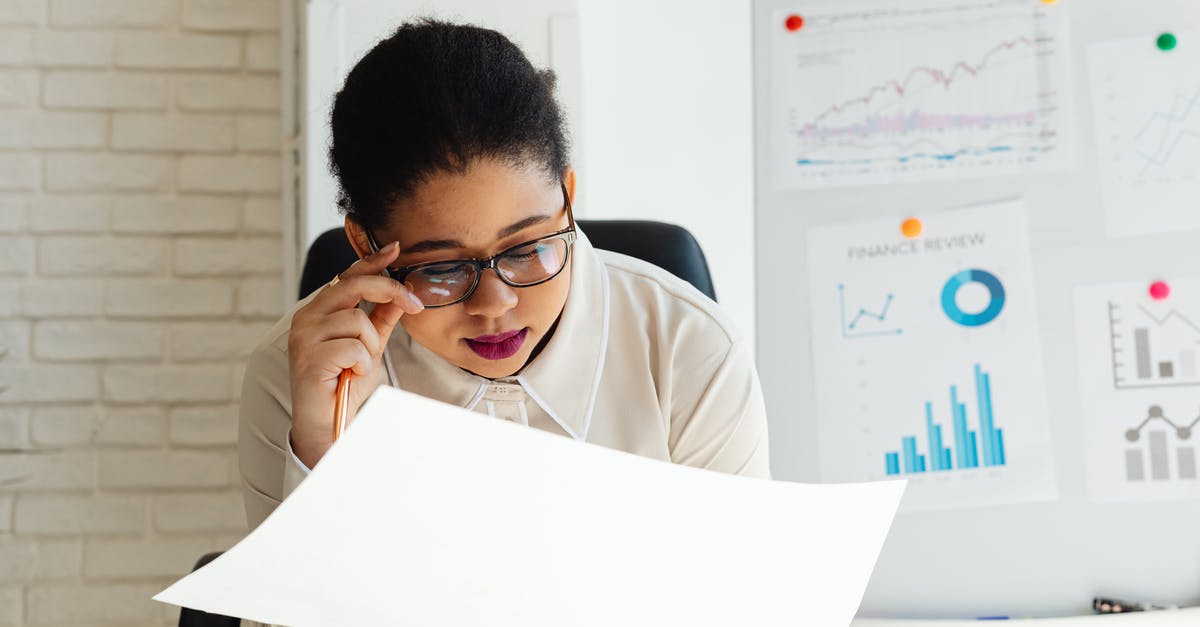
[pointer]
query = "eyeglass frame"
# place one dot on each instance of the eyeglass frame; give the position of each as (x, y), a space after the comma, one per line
(481, 264)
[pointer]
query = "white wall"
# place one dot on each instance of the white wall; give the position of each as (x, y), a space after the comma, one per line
(668, 127)
(658, 98)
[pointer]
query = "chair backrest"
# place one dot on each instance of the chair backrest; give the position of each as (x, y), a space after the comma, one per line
(667, 246)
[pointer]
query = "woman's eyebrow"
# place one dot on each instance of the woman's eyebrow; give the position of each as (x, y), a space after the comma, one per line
(425, 246)
(428, 245)
(517, 227)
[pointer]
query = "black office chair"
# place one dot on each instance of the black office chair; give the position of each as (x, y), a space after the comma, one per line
(667, 246)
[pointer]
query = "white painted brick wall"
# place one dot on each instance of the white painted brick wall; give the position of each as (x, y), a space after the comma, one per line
(219, 256)
(173, 133)
(131, 427)
(18, 172)
(214, 341)
(57, 427)
(181, 52)
(226, 15)
(75, 514)
(99, 256)
(141, 227)
(18, 88)
(75, 49)
(69, 214)
(170, 383)
(227, 93)
(142, 558)
(112, 13)
(229, 174)
(190, 214)
(263, 216)
(204, 426)
(89, 340)
(43, 298)
(200, 511)
(22, 560)
(262, 297)
(103, 90)
(167, 298)
(22, 12)
(107, 173)
(28, 129)
(164, 469)
(81, 604)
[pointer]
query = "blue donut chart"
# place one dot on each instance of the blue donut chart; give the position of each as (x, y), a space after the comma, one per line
(995, 291)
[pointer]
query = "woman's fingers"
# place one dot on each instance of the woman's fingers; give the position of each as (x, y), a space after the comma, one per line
(351, 323)
(334, 356)
(348, 292)
(363, 281)
(373, 263)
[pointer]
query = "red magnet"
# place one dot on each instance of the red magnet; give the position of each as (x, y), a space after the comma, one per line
(1159, 290)
(794, 22)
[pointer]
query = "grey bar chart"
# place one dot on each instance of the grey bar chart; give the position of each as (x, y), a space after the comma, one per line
(1165, 450)
(1152, 350)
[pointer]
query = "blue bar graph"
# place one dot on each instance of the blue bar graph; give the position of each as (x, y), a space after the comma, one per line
(967, 443)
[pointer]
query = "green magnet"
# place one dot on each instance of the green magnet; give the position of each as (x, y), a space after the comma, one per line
(1166, 41)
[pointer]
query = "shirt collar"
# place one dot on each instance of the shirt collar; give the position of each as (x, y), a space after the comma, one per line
(563, 380)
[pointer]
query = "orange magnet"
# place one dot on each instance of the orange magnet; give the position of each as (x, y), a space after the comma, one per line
(911, 228)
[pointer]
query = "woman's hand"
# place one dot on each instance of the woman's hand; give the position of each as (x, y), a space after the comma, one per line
(331, 334)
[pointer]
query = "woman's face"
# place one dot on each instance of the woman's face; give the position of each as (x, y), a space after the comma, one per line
(490, 207)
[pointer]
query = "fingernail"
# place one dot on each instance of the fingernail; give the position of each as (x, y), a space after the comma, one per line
(388, 248)
(415, 300)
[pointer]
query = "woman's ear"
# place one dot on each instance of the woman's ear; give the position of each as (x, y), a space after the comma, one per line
(569, 181)
(358, 238)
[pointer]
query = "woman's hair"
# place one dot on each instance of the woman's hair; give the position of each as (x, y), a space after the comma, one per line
(433, 97)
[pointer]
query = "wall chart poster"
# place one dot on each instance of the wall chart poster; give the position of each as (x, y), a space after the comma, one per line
(927, 358)
(1147, 100)
(1139, 388)
(982, 89)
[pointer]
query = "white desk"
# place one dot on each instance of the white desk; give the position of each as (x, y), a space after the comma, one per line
(1161, 618)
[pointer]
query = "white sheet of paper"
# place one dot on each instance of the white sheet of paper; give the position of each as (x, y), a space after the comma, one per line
(426, 514)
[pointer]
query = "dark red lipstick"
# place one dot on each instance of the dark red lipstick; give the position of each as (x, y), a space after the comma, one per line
(499, 346)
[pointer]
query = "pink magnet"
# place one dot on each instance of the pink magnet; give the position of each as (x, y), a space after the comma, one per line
(1159, 290)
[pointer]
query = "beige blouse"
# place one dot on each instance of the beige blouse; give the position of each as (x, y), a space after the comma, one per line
(641, 362)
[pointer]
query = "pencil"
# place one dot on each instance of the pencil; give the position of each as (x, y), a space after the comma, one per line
(342, 405)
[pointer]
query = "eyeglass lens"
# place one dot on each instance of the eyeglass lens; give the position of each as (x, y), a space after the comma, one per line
(445, 283)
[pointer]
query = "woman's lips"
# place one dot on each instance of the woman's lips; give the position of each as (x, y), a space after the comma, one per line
(499, 346)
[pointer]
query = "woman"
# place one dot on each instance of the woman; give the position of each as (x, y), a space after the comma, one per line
(475, 288)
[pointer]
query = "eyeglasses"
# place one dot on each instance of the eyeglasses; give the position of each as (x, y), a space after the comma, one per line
(444, 283)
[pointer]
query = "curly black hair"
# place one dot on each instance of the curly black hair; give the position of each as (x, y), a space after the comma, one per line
(435, 96)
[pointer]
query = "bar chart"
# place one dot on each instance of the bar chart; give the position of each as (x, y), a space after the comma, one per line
(971, 448)
(1155, 452)
(1138, 359)
(1152, 349)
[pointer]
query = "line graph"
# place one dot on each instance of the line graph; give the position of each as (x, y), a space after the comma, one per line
(1156, 449)
(901, 88)
(978, 91)
(1173, 126)
(1147, 129)
(850, 328)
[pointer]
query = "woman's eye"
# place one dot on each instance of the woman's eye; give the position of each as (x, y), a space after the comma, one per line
(443, 271)
(525, 253)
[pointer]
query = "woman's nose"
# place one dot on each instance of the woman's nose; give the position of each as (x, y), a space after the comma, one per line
(492, 297)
